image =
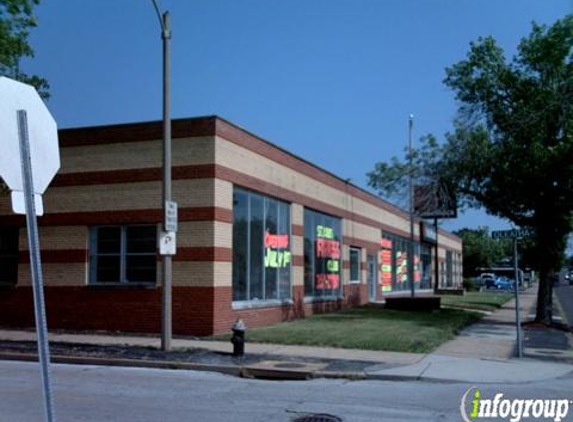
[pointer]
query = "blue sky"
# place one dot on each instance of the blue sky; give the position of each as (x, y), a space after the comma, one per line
(330, 80)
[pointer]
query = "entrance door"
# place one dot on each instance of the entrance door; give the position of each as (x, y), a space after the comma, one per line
(372, 276)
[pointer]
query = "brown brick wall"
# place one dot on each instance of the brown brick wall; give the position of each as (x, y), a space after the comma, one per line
(127, 310)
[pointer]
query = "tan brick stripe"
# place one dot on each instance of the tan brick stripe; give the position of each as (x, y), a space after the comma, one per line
(213, 125)
(351, 241)
(210, 171)
(254, 183)
(59, 256)
(243, 138)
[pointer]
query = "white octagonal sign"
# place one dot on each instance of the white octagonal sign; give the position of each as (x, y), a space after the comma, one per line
(43, 138)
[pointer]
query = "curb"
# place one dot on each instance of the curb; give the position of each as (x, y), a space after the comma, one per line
(133, 363)
(238, 371)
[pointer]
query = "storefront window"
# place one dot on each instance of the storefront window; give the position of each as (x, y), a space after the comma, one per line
(261, 247)
(322, 255)
(394, 265)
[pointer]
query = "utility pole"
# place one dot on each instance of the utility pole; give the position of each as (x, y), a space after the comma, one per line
(166, 262)
(411, 200)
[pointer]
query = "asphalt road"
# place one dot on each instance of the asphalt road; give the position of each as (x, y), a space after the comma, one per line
(564, 293)
(89, 393)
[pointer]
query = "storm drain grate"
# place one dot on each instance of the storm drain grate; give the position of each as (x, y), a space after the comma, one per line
(319, 417)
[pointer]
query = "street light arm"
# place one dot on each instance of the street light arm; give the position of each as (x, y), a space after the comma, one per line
(163, 20)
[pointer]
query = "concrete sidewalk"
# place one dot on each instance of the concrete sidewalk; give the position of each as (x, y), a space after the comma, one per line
(481, 353)
(494, 337)
(391, 358)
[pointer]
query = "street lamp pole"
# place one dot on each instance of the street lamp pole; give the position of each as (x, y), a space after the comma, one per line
(411, 201)
(166, 262)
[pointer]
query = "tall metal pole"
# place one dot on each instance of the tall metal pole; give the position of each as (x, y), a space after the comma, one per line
(437, 258)
(411, 200)
(166, 262)
(517, 312)
(36, 266)
(167, 259)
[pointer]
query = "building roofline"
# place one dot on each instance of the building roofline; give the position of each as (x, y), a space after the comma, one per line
(209, 125)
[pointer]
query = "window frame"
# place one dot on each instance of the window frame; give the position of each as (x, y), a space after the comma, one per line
(123, 255)
(249, 302)
(311, 263)
(350, 253)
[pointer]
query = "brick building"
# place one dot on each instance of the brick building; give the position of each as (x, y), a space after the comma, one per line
(263, 235)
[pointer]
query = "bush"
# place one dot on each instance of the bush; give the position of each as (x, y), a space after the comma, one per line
(470, 285)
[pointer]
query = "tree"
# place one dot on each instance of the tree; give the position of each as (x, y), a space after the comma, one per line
(16, 20)
(511, 147)
(480, 250)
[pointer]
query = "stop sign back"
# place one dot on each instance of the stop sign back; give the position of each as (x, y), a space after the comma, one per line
(43, 135)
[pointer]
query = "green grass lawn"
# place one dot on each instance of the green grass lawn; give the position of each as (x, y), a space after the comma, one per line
(370, 328)
(482, 301)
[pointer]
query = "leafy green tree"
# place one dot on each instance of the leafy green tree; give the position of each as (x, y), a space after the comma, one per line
(511, 148)
(16, 20)
(480, 250)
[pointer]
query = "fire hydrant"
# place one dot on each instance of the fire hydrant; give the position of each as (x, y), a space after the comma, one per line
(238, 339)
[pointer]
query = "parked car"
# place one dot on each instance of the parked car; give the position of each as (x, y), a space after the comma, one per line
(488, 280)
(504, 283)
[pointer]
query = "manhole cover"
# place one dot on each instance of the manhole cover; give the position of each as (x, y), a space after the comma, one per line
(319, 417)
(290, 365)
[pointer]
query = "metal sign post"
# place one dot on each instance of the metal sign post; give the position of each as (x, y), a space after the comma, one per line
(514, 234)
(517, 313)
(35, 264)
(29, 132)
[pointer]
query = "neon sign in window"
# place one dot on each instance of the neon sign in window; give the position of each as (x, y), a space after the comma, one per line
(322, 254)
(277, 254)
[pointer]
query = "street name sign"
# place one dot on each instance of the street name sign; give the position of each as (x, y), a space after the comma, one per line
(511, 234)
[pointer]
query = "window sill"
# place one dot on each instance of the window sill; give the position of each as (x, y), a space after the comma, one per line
(407, 292)
(122, 286)
(316, 299)
(240, 305)
(355, 282)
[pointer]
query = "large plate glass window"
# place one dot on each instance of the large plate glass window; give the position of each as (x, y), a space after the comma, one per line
(9, 255)
(261, 247)
(123, 254)
(322, 255)
(394, 256)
